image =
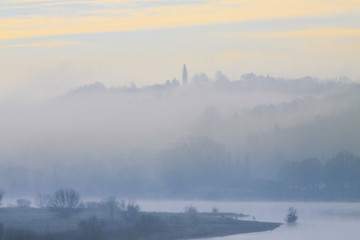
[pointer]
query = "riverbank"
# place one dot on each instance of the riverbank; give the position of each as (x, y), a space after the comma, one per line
(41, 224)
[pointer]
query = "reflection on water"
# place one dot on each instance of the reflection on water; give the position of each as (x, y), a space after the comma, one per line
(317, 220)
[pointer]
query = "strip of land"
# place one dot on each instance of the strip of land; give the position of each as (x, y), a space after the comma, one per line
(96, 224)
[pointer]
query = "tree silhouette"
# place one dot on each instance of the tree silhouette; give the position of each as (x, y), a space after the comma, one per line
(111, 204)
(65, 202)
(291, 217)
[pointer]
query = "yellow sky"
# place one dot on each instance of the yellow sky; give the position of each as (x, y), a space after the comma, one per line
(110, 19)
(67, 43)
(38, 44)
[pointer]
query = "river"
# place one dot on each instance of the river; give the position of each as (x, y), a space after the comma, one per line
(317, 220)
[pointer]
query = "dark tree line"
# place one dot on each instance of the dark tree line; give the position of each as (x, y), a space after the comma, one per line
(339, 174)
(200, 167)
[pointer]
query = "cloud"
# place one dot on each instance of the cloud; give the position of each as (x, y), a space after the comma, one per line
(112, 18)
(44, 1)
(12, 7)
(313, 33)
(40, 44)
(59, 2)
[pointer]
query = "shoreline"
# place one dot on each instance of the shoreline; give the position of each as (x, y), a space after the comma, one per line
(137, 225)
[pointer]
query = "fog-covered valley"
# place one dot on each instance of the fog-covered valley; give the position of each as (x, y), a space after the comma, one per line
(210, 138)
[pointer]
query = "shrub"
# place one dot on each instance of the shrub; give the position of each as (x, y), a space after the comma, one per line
(191, 210)
(215, 210)
(65, 202)
(132, 210)
(192, 214)
(291, 217)
(111, 204)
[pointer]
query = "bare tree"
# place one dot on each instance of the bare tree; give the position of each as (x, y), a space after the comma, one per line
(111, 204)
(65, 202)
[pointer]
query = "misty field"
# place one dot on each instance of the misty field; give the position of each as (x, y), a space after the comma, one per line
(41, 219)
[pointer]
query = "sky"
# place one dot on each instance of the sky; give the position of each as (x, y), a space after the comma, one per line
(50, 47)
(53, 116)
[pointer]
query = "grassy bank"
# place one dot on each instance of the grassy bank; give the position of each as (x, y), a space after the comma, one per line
(96, 224)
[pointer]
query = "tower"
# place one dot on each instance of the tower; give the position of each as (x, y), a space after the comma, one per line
(184, 75)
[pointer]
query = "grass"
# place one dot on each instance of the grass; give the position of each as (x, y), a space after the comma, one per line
(42, 220)
(141, 225)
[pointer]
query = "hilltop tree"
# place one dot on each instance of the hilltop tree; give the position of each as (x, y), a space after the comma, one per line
(65, 202)
(221, 79)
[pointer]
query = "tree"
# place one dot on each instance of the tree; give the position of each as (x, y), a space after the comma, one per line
(215, 210)
(191, 210)
(192, 214)
(304, 175)
(221, 79)
(132, 209)
(291, 217)
(65, 202)
(111, 204)
(200, 79)
(343, 172)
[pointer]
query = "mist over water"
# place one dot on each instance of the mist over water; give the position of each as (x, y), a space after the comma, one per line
(117, 124)
(255, 146)
(174, 140)
(317, 220)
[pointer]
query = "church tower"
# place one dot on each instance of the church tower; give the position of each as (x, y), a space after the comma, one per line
(184, 75)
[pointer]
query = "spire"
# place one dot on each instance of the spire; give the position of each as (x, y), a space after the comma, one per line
(184, 75)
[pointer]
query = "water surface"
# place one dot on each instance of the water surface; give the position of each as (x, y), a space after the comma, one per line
(317, 220)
